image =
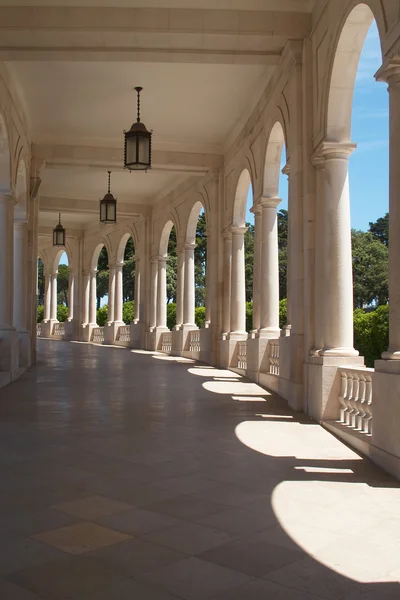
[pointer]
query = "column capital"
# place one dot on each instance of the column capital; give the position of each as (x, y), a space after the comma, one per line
(389, 72)
(286, 168)
(93, 271)
(154, 259)
(238, 229)
(190, 246)
(162, 259)
(54, 273)
(256, 208)
(272, 202)
(332, 150)
(86, 272)
(226, 233)
(117, 266)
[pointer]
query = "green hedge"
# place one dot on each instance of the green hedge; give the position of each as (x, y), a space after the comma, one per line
(371, 333)
(62, 313)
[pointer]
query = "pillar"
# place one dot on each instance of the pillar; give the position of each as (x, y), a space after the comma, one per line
(47, 296)
(256, 210)
(337, 299)
(238, 284)
(189, 294)
(180, 287)
(162, 293)
(93, 297)
(269, 309)
(86, 298)
(136, 302)
(287, 327)
(209, 276)
(53, 307)
(153, 292)
(21, 276)
(390, 72)
(226, 317)
(6, 260)
(111, 293)
(71, 288)
(318, 163)
(118, 293)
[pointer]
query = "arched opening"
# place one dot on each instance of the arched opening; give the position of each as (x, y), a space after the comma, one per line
(5, 158)
(126, 256)
(40, 290)
(358, 111)
(196, 236)
(20, 295)
(98, 286)
(61, 268)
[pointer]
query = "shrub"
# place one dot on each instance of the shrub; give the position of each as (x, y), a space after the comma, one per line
(102, 315)
(62, 313)
(249, 316)
(200, 316)
(127, 312)
(40, 313)
(171, 315)
(371, 333)
(282, 312)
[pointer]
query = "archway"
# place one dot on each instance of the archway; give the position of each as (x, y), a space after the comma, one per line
(126, 260)
(196, 275)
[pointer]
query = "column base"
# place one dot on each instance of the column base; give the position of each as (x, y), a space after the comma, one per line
(269, 333)
(24, 349)
(389, 355)
(257, 358)
(9, 350)
(137, 335)
(47, 328)
(344, 352)
(228, 348)
(87, 330)
(238, 335)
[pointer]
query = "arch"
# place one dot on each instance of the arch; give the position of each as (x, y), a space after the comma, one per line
(239, 206)
(21, 192)
(5, 157)
(122, 245)
(343, 74)
(191, 227)
(166, 232)
(272, 162)
(57, 257)
(96, 254)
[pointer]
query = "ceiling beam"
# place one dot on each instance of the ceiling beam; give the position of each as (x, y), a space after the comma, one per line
(99, 157)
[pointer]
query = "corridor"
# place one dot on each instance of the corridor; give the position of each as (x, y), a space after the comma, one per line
(133, 475)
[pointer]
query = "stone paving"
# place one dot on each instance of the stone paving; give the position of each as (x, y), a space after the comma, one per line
(128, 475)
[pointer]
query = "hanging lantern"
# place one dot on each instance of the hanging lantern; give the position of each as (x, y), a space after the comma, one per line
(59, 233)
(108, 206)
(137, 151)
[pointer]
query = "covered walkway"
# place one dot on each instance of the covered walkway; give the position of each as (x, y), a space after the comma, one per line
(127, 474)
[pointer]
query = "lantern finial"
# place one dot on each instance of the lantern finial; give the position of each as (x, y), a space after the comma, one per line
(138, 90)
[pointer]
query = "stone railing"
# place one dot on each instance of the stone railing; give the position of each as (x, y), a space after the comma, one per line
(166, 342)
(355, 399)
(194, 340)
(124, 333)
(242, 355)
(38, 329)
(58, 330)
(98, 335)
(273, 356)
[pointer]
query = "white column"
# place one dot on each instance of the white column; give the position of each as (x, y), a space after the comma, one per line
(118, 293)
(238, 289)
(189, 299)
(256, 210)
(287, 327)
(162, 292)
(269, 309)
(338, 278)
(318, 163)
(136, 301)
(226, 317)
(153, 292)
(71, 289)
(180, 287)
(47, 296)
(21, 276)
(93, 297)
(209, 278)
(111, 293)
(6, 260)
(53, 309)
(390, 72)
(86, 298)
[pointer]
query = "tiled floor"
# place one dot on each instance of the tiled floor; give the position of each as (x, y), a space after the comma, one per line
(131, 476)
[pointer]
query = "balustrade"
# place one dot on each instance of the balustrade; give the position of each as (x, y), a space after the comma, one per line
(98, 335)
(242, 355)
(356, 398)
(273, 356)
(38, 329)
(124, 333)
(166, 342)
(194, 340)
(58, 330)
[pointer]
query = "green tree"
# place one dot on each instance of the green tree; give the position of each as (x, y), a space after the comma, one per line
(172, 264)
(380, 229)
(62, 284)
(370, 270)
(249, 260)
(283, 227)
(128, 272)
(40, 289)
(200, 261)
(102, 276)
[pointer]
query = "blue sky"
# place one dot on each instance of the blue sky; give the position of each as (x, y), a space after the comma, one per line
(369, 164)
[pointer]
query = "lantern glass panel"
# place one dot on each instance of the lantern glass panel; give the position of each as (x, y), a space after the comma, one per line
(131, 154)
(111, 211)
(144, 150)
(103, 211)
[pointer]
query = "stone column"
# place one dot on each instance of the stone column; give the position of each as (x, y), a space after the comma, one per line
(238, 284)
(180, 287)
(86, 298)
(153, 292)
(118, 293)
(53, 309)
(6, 260)
(226, 321)
(318, 163)
(111, 293)
(20, 276)
(93, 297)
(209, 278)
(189, 299)
(47, 297)
(390, 72)
(337, 258)
(286, 329)
(136, 302)
(162, 293)
(256, 210)
(71, 288)
(269, 310)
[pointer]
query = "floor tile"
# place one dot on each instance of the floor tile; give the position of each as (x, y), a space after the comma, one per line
(10, 591)
(128, 590)
(92, 507)
(82, 537)
(24, 552)
(239, 522)
(194, 579)
(190, 538)
(138, 521)
(260, 589)
(186, 507)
